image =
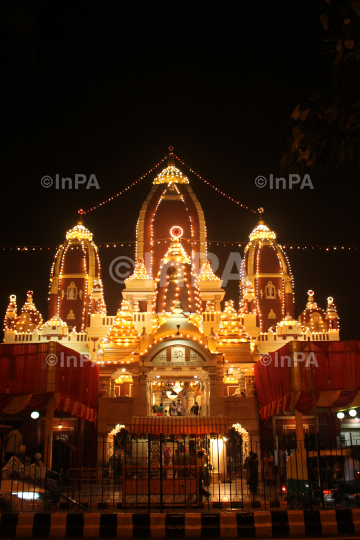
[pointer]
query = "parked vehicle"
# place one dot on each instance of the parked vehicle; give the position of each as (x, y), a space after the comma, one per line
(304, 481)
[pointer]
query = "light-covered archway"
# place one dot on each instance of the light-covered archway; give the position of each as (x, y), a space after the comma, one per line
(178, 370)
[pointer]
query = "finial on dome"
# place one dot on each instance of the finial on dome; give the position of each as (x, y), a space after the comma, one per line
(171, 159)
(262, 232)
(79, 232)
(261, 216)
(171, 174)
(177, 307)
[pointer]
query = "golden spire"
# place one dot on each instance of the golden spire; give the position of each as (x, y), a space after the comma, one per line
(176, 252)
(123, 332)
(230, 329)
(206, 273)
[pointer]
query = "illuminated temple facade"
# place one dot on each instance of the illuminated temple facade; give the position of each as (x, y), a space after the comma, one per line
(176, 336)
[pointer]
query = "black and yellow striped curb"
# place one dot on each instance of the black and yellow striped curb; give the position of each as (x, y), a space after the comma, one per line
(189, 525)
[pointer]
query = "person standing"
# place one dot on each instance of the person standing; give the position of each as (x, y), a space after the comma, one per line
(247, 467)
(254, 473)
(12, 444)
(160, 410)
(179, 408)
(172, 409)
(196, 409)
(201, 459)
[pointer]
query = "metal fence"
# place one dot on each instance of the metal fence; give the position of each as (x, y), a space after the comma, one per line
(166, 473)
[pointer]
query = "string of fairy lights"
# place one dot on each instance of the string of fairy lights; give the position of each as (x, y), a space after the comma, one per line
(259, 210)
(82, 212)
(122, 243)
(219, 243)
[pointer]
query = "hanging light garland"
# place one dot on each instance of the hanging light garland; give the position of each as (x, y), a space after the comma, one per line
(81, 212)
(259, 210)
(223, 243)
(129, 243)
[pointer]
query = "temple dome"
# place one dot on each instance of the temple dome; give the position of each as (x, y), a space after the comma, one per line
(75, 272)
(266, 268)
(177, 318)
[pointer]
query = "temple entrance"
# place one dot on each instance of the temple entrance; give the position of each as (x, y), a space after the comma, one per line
(178, 393)
(189, 470)
(178, 378)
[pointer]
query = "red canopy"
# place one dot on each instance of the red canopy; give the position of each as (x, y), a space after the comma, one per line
(178, 425)
(336, 373)
(23, 380)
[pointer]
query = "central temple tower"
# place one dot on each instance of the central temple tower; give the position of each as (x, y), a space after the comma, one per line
(171, 256)
(170, 203)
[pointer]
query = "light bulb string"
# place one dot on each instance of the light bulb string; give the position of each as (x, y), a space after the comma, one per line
(82, 212)
(260, 210)
(223, 243)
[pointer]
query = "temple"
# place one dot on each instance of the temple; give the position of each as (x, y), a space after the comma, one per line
(176, 337)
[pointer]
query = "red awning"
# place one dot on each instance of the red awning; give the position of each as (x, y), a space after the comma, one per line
(178, 425)
(23, 370)
(336, 373)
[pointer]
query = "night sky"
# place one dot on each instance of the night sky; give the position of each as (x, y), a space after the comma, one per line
(105, 87)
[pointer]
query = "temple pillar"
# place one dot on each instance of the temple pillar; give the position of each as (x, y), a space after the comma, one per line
(203, 399)
(296, 384)
(49, 411)
(207, 398)
(158, 397)
(216, 398)
(190, 400)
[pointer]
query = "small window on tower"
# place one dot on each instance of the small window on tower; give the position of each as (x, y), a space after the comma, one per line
(270, 290)
(71, 291)
(143, 317)
(212, 317)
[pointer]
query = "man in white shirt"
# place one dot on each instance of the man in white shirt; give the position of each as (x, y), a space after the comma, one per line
(172, 409)
(12, 444)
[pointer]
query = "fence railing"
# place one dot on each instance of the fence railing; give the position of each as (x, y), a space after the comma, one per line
(181, 472)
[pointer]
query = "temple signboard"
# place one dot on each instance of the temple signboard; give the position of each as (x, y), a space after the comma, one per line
(178, 355)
